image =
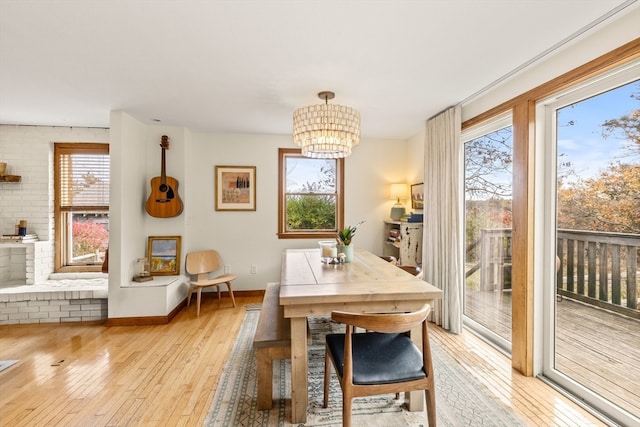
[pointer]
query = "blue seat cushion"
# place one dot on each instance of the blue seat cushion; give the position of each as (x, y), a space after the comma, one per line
(379, 358)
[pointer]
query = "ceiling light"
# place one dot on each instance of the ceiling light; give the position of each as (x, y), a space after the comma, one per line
(326, 131)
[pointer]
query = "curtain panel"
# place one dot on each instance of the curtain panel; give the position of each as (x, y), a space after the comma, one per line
(442, 242)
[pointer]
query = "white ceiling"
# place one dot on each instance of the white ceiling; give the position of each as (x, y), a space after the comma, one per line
(245, 66)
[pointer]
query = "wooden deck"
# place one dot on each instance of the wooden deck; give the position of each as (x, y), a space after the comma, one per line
(598, 348)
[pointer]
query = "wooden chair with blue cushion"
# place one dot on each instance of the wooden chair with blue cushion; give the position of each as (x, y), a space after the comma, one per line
(202, 264)
(380, 362)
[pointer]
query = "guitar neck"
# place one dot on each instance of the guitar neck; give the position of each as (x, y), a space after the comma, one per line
(163, 174)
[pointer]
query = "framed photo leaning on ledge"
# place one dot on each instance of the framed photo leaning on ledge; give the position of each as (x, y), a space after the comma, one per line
(164, 255)
(235, 188)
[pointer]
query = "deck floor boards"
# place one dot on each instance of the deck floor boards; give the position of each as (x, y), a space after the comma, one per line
(598, 348)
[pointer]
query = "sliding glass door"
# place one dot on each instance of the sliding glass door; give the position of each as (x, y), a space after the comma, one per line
(592, 257)
(488, 189)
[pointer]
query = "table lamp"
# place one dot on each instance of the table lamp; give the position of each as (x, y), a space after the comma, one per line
(398, 191)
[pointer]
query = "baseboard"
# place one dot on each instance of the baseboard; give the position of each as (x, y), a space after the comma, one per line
(254, 293)
(147, 320)
(163, 320)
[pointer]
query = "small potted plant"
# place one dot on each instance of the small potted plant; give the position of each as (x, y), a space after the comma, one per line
(345, 236)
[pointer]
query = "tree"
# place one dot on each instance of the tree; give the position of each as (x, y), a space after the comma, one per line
(488, 160)
(88, 237)
(627, 126)
(309, 212)
(610, 201)
(314, 206)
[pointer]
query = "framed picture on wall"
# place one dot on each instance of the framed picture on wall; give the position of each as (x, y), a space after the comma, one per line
(164, 255)
(235, 188)
(417, 196)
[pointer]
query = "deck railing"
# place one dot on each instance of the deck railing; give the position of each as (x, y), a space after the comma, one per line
(495, 259)
(598, 268)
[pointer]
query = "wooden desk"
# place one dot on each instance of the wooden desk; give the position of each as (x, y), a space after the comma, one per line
(309, 288)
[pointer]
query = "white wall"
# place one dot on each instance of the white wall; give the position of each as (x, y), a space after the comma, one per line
(249, 238)
(415, 162)
(605, 37)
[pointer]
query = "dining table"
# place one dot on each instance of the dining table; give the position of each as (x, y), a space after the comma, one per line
(310, 288)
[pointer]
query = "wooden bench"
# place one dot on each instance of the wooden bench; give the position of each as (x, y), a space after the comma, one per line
(272, 341)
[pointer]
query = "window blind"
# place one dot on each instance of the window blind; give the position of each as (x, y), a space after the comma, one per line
(83, 176)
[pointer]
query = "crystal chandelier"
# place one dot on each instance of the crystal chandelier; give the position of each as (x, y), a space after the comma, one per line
(326, 131)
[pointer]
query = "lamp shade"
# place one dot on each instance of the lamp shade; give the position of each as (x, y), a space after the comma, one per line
(326, 131)
(399, 191)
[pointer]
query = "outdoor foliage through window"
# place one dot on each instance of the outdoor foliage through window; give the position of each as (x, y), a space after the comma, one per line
(311, 195)
(599, 137)
(82, 203)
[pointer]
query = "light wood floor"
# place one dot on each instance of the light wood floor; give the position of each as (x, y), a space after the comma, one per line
(595, 347)
(92, 375)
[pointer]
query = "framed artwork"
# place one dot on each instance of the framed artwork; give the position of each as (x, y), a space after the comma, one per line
(417, 196)
(235, 188)
(164, 255)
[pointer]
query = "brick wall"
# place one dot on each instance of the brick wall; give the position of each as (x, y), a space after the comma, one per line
(28, 152)
(25, 263)
(52, 307)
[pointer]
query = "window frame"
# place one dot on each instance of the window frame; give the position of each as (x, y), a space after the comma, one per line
(488, 127)
(283, 233)
(61, 215)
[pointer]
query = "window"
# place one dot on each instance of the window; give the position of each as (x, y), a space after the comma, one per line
(81, 205)
(310, 193)
(488, 160)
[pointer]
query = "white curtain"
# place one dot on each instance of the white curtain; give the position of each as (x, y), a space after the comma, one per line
(442, 241)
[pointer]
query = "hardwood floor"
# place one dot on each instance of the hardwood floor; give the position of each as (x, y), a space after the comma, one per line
(92, 375)
(596, 347)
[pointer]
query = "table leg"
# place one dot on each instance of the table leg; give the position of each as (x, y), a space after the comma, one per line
(299, 369)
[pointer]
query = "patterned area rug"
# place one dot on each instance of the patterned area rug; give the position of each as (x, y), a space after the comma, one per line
(460, 399)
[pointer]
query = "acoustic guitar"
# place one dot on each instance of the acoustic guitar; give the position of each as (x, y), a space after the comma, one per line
(164, 201)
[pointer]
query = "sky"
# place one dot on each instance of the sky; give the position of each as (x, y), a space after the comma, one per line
(301, 171)
(583, 143)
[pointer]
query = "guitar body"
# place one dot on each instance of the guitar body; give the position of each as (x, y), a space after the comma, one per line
(164, 204)
(164, 200)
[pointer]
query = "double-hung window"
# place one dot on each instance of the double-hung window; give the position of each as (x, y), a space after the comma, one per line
(81, 177)
(310, 192)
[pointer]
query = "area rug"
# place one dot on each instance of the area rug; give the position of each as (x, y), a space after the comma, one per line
(460, 399)
(4, 364)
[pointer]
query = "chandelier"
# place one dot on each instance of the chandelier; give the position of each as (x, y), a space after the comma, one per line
(326, 131)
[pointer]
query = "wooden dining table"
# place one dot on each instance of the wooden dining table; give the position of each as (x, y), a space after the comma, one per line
(311, 288)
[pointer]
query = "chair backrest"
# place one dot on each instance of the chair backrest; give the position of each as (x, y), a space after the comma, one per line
(393, 260)
(411, 269)
(386, 322)
(203, 262)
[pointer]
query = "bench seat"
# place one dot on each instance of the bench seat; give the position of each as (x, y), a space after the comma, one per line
(272, 341)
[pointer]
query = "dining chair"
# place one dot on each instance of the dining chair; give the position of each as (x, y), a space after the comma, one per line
(391, 259)
(380, 362)
(202, 264)
(411, 269)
